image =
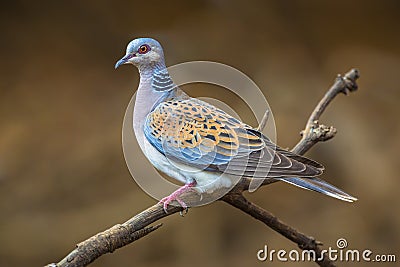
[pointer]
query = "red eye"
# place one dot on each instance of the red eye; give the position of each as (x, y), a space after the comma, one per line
(143, 49)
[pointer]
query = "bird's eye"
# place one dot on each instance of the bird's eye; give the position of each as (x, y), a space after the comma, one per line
(143, 49)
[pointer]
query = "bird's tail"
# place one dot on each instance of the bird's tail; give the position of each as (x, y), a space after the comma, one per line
(318, 185)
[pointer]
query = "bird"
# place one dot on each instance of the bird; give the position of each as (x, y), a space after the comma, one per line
(201, 145)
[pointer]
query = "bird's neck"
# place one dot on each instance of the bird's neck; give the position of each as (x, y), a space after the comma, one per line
(155, 85)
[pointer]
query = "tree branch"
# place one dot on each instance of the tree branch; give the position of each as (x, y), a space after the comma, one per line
(138, 226)
(315, 132)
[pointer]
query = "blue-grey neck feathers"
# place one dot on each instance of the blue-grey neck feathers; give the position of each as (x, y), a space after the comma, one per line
(162, 81)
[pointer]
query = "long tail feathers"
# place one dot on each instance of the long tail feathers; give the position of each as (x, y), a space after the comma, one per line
(318, 185)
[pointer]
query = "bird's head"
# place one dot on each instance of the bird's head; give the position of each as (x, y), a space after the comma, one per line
(143, 53)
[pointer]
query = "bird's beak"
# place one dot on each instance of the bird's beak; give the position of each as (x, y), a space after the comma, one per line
(124, 60)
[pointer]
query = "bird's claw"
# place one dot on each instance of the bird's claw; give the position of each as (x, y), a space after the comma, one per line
(175, 196)
(167, 200)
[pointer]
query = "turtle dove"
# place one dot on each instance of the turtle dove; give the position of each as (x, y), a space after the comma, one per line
(198, 144)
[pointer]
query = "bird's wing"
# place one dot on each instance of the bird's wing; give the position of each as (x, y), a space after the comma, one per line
(198, 134)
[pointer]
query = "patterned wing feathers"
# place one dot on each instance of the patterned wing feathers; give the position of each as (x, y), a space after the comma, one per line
(194, 130)
(198, 133)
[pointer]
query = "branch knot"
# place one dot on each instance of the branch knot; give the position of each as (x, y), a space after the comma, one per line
(321, 132)
(309, 244)
(349, 81)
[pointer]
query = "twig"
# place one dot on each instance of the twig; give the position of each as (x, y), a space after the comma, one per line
(315, 132)
(138, 226)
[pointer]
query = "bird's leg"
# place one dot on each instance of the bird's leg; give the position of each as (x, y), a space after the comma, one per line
(175, 196)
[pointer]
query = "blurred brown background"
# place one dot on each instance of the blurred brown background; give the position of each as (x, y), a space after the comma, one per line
(62, 173)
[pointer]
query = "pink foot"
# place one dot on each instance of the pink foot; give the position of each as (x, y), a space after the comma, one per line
(175, 196)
